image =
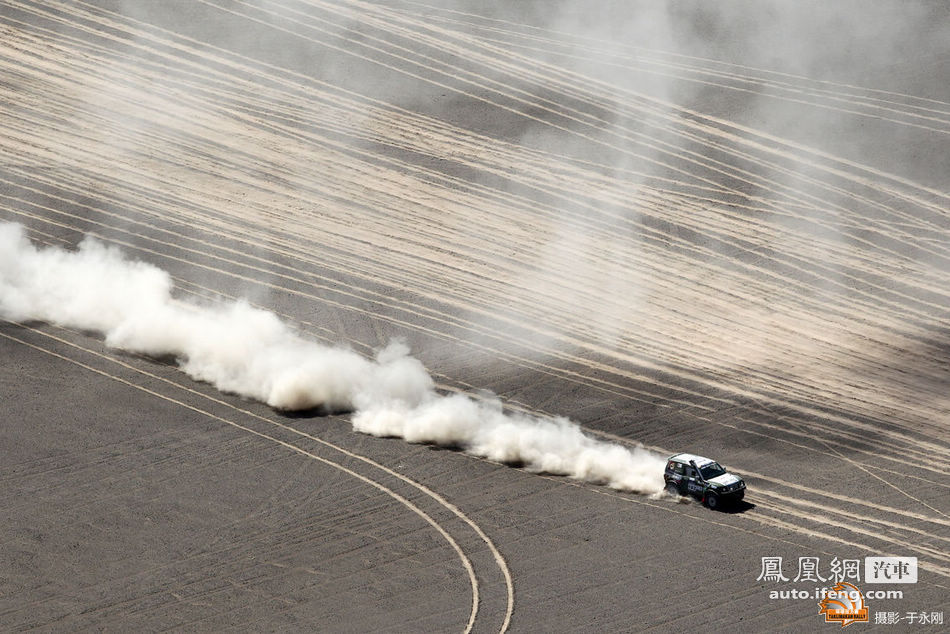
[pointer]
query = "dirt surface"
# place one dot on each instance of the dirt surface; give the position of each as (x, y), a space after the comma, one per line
(670, 234)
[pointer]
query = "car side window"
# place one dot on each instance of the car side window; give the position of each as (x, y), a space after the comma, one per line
(677, 467)
(689, 472)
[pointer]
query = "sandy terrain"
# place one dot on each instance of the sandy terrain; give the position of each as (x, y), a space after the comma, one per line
(689, 252)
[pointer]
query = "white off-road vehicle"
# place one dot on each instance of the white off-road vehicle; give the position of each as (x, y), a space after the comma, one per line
(704, 479)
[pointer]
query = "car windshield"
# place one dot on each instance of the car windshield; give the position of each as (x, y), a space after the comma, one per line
(711, 470)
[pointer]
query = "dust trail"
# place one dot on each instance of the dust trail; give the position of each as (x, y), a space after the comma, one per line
(251, 352)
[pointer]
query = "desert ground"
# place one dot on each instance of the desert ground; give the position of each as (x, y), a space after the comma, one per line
(721, 229)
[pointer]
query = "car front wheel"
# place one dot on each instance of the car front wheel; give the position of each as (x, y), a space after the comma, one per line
(712, 500)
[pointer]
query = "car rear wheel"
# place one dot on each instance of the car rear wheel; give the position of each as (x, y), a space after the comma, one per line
(672, 489)
(712, 500)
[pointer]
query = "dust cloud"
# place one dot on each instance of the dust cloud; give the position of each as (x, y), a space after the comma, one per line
(250, 352)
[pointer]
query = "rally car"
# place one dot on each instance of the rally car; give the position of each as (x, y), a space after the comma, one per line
(704, 479)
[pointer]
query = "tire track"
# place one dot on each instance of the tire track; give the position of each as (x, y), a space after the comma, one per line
(454, 510)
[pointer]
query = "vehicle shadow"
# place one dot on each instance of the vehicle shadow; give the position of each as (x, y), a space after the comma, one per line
(737, 508)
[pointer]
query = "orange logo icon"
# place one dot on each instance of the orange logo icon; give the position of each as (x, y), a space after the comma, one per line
(844, 604)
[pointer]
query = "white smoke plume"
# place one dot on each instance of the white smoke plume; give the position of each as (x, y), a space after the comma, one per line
(251, 352)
